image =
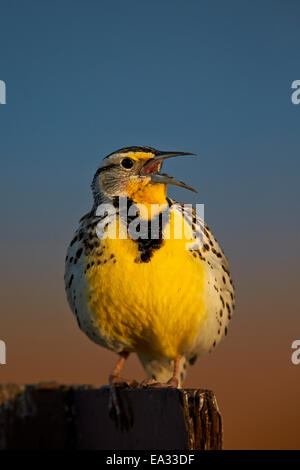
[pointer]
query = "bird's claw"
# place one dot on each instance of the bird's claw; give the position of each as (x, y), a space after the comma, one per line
(152, 383)
(116, 411)
(118, 381)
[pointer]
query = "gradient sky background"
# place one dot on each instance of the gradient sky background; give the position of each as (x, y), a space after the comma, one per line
(87, 77)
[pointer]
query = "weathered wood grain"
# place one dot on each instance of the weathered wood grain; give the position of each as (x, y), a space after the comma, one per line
(53, 416)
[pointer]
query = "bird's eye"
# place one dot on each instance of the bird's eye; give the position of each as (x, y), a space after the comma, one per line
(127, 163)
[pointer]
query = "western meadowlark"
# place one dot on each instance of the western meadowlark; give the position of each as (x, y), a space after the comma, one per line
(143, 294)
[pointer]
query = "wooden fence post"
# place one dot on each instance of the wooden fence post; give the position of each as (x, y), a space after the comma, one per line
(53, 416)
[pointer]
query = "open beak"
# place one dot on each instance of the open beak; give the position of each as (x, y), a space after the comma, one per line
(152, 167)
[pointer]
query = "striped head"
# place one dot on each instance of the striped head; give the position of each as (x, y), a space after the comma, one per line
(134, 172)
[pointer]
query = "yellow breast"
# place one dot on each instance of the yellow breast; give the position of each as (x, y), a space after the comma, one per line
(154, 307)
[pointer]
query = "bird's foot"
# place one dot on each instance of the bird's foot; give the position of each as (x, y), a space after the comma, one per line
(117, 381)
(152, 383)
(148, 383)
(173, 382)
(115, 407)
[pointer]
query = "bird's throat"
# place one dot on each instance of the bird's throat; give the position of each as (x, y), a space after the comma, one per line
(148, 194)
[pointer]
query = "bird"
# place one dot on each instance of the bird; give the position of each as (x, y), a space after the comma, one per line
(150, 295)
